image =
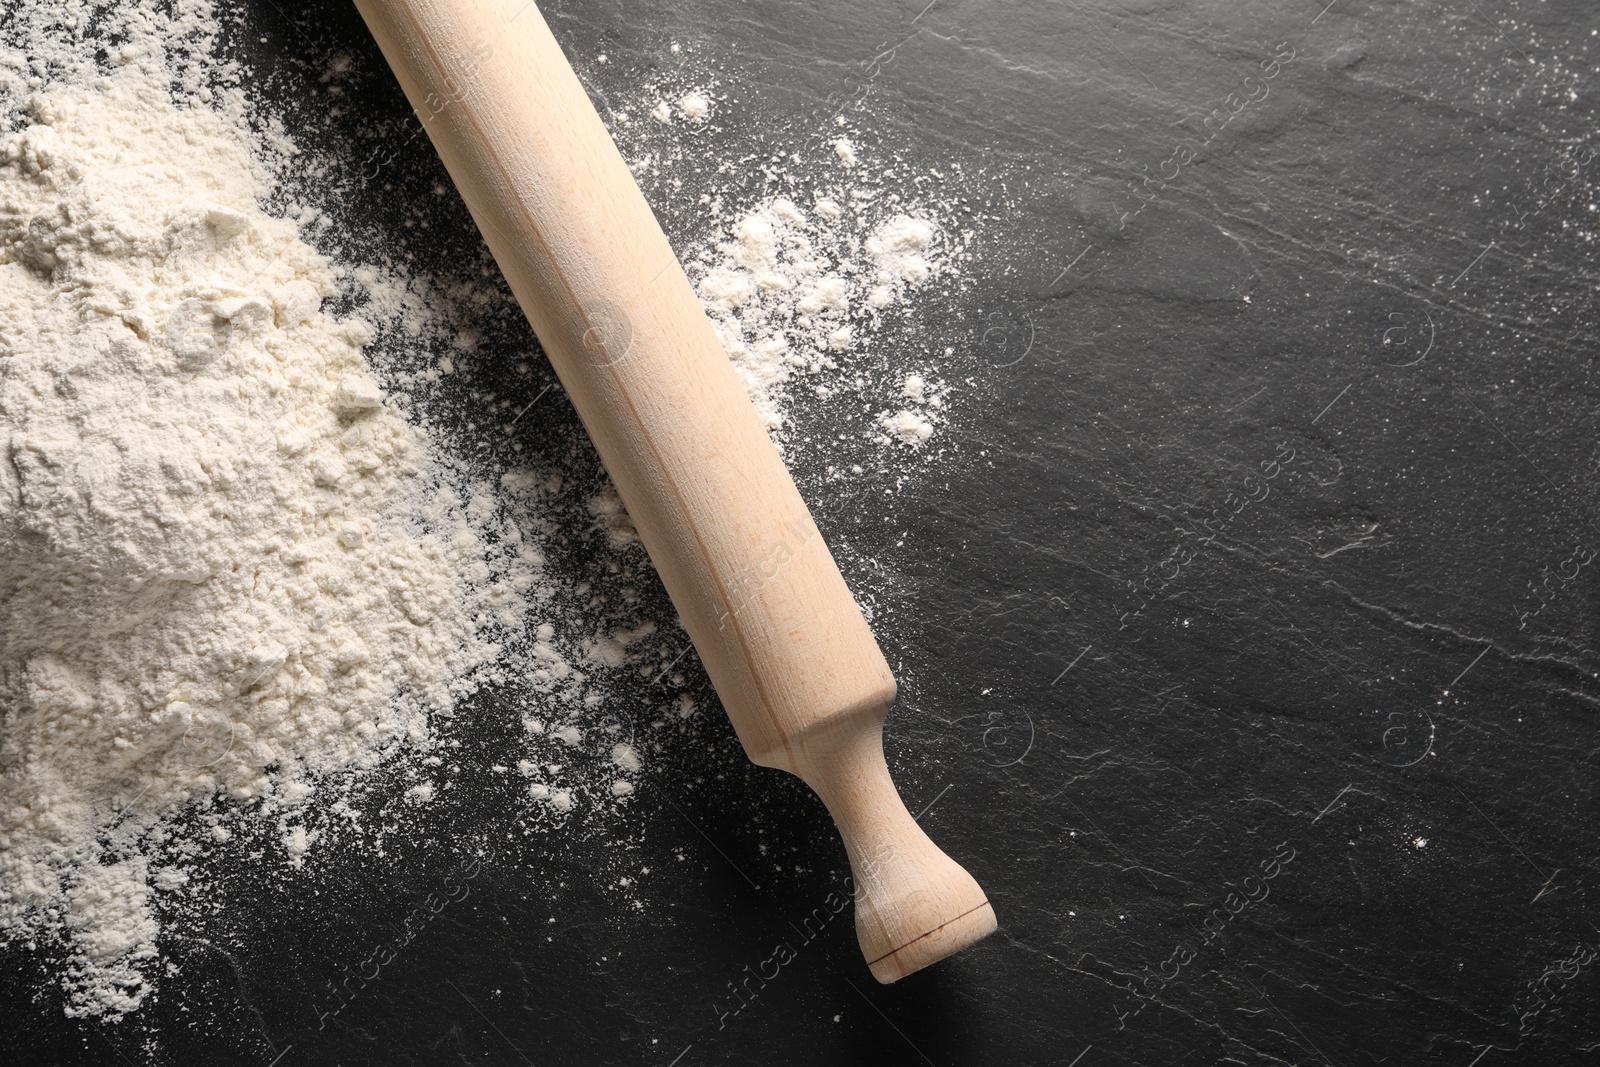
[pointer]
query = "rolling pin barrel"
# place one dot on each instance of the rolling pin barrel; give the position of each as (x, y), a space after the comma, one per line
(785, 644)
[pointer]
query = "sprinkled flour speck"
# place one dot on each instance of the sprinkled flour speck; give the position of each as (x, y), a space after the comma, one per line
(696, 107)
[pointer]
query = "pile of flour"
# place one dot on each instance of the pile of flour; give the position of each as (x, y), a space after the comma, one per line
(226, 565)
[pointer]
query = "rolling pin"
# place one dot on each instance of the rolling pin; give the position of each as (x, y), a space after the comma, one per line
(784, 642)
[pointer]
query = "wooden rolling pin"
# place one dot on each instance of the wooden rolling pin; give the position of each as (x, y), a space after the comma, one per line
(758, 591)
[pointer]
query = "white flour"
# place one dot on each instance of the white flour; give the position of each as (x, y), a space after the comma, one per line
(819, 285)
(913, 425)
(213, 577)
(792, 292)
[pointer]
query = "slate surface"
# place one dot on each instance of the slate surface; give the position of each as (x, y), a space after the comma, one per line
(1246, 632)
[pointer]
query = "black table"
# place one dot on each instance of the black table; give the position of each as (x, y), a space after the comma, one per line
(1243, 627)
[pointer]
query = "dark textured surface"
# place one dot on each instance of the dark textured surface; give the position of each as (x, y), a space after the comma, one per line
(1351, 335)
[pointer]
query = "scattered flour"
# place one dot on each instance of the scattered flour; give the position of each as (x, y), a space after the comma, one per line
(791, 290)
(820, 265)
(907, 426)
(898, 251)
(914, 425)
(693, 107)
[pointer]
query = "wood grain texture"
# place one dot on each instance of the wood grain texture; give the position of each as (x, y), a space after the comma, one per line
(784, 642)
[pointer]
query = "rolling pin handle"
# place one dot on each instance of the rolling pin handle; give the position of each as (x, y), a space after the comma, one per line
(914, 904)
